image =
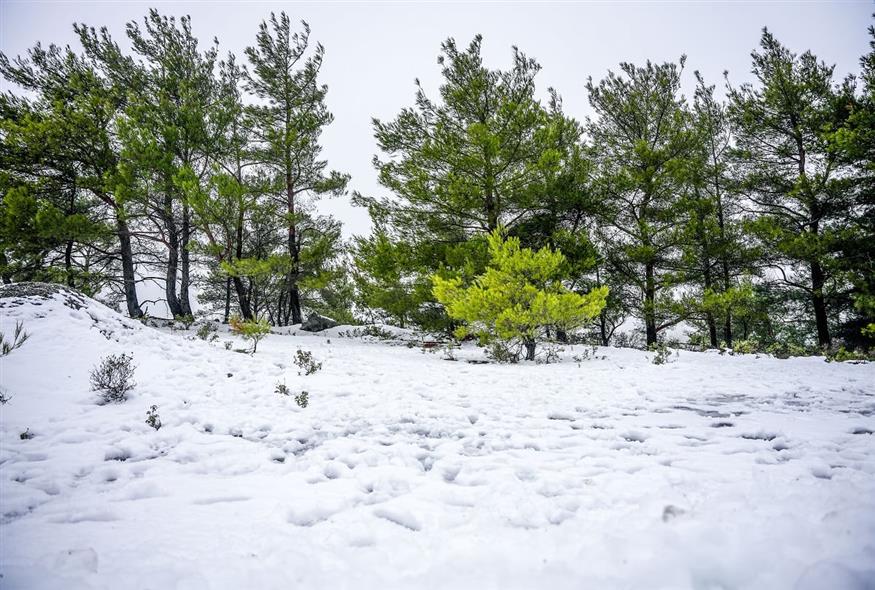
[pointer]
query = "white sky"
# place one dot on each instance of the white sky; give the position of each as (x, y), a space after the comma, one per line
(375, 50)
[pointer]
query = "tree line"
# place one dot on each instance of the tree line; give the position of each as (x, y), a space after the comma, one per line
(747, 216)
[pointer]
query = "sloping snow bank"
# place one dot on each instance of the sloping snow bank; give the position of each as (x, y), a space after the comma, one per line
(410, 471)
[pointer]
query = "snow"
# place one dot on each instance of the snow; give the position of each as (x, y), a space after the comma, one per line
(411, 471)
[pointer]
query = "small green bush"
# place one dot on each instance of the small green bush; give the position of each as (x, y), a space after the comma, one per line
(304, 359)
(662, 354)
(253, 331)
(746, 347)
(302, 399)
(152, 418)
(113, 377)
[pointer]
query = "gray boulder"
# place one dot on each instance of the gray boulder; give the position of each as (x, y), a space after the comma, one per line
(317, 323)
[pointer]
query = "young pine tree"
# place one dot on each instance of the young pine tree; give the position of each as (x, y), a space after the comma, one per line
(518, 298)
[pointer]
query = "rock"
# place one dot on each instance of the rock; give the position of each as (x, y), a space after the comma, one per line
(317, 323)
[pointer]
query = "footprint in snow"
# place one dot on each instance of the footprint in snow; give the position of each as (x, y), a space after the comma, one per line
(399, 517)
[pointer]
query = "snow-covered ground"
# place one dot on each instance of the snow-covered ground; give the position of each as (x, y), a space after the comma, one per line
(411, 471)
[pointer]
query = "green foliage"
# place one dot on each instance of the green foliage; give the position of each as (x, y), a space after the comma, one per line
(305, 361)
(642, 144)
(662, 353)
(19, 337)
(302, 399)
(254, 330)
(152, 418)
(112, 377)
(841, 354)
(518, 298)
(207, 331)
(281, 389)
(746, 347)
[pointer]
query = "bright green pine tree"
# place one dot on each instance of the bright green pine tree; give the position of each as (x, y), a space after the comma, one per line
(642, 141)
(287, 121)
(793, 178)
(518, 298)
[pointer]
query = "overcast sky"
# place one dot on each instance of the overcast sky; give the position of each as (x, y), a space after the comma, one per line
(375, 50)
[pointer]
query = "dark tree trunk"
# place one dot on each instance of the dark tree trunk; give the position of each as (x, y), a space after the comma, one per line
(128, 279)
(4, 264)
(242, 299)
(650, 304)
(817, 299)
(530, 349)
(172, 257)
(294, 254)
(712, 329)
(68, 263)
(184, 301)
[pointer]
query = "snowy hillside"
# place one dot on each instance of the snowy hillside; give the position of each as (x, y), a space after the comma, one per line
(407, 470)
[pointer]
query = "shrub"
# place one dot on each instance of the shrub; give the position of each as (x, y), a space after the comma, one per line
(304, 359)
(19, 337)
(745, 347)
(207, 331)
(302, 399)
(841, 355)
(4, 399)
(518, 299)
(152, 418)
(784, 350)
(663, 354)
(112, 377)
(253, 331)
(281, 389)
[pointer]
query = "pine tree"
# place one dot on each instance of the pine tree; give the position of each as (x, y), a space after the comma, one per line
(714, 252)
(642, 140)
(165, 129)
(287, 122)
(518, 298)
(855, 142)
(790, 174)
(60, 149)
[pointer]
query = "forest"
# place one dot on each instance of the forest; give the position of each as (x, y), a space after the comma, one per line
(742, 212)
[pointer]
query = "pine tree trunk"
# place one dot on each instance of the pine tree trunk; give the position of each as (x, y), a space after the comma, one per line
(128, 278)
(530, 349)
(68, 263)
(294, 254)
(817, 299)
(184, 301)
(172, 257)
(650, 304)
(242, 299)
